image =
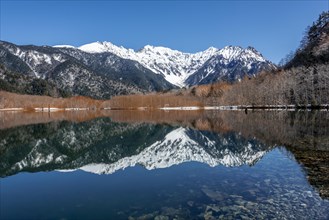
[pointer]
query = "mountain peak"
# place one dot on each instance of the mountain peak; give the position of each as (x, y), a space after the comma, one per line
(210, 50)
(147, 47)
(230, 52)
(97, 47)
(159, 50)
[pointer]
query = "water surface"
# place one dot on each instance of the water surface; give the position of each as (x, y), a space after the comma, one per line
(133, 165)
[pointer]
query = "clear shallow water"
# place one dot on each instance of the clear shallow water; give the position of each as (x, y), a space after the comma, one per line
(115, 170)
(274, 187)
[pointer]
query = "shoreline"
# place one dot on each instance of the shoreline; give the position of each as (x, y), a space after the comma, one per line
(323, 107)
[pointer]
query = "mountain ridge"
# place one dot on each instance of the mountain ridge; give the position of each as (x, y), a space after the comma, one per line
(176, 66)
(106, 70)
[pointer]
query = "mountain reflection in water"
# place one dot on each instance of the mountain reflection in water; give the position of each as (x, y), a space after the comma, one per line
(275, 146)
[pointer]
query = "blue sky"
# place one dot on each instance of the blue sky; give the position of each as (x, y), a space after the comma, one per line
(272, 27)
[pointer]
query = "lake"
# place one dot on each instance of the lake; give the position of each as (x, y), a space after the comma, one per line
(164, 165)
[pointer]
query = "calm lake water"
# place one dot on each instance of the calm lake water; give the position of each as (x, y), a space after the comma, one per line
(164, 165)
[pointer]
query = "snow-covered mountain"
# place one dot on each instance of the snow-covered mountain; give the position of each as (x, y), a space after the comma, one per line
(230, 64)
(102, 69)
(178, 67)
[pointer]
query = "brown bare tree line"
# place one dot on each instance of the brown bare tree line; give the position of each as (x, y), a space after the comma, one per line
(300, 86)
(29, 102)
(153, 101)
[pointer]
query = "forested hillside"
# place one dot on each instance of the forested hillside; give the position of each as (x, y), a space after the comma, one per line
(24, 84)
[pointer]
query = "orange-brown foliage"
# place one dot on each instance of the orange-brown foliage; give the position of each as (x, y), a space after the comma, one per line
(153, 101)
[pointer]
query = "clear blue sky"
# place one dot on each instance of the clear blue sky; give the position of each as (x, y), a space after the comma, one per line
(272, 27)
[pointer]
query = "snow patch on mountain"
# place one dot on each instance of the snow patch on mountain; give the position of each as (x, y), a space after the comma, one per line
(64, 46)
